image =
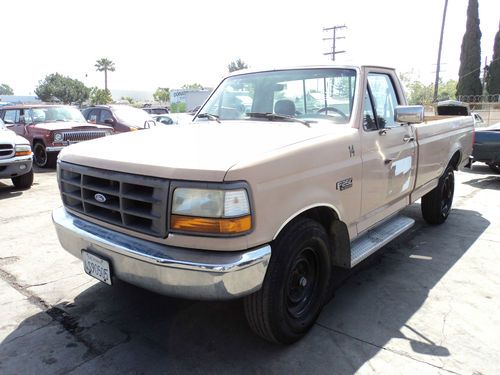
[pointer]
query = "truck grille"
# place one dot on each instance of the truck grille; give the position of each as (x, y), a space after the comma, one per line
(80, 136)
(6, 150)
(134, 202)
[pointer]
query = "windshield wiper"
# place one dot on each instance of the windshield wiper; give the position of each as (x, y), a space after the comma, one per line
(209, 116)
(274, 116)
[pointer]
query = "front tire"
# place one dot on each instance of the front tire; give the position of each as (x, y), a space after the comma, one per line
(24, 181)
(296, 285)
(436, 204)
(41, 157)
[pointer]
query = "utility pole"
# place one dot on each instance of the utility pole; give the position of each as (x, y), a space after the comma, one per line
(334, 39)
(436, 82)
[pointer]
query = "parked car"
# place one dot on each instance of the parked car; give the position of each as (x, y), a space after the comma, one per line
(50, 128)
(123, 118)
(264, 204)
(16, 158)
(156, 110)
(487, 146)
(173, 118)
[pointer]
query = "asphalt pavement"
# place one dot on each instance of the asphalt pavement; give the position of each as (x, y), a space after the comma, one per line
(427, 303)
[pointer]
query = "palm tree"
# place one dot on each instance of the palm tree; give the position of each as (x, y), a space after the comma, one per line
(105, 65)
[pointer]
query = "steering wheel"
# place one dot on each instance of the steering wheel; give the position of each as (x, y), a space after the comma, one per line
(333, 109)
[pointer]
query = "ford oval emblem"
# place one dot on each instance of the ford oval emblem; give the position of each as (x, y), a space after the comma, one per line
(100, 198)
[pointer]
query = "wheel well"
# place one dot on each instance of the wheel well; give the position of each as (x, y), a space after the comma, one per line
(337, 231)
(455, 160)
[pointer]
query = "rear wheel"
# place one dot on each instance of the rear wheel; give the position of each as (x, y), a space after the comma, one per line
(23, 182)
(495, 167)
(41, 157)
(436, 204)
(296, 284)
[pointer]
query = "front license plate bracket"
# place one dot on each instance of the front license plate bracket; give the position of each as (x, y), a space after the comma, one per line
(97, 267)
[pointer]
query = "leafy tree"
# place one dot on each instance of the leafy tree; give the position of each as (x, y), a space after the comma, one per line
(162, 94)
(236, 65)
(493, 83)
(5, 89)
(179, 107)
(423, 94)
(105, 65)
(99, 96)
(129, 99)
(56, 87)
(192, 86)
(470, 56)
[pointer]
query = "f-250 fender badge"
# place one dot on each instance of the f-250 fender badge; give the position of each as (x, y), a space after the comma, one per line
(344, 184)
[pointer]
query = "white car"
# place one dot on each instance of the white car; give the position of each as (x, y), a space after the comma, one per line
(16, 158)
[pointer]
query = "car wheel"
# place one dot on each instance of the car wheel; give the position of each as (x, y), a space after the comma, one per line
(495, 167)
(24, 181)
(436, 204)
(41, 157)
(296, 284)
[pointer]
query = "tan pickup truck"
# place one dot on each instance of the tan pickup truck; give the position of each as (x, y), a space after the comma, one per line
(282, 176)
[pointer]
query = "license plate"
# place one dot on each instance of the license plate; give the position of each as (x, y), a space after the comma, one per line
(96, 267)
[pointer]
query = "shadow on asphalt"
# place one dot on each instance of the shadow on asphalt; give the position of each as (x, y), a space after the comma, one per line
(373, 305)
(9, 191)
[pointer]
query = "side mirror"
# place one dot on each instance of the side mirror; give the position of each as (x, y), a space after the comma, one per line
(410, 114)
(109, 121)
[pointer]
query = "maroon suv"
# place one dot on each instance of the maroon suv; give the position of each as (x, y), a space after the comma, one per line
(49, 128)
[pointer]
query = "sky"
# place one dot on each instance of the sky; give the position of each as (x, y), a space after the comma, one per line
(169, 44)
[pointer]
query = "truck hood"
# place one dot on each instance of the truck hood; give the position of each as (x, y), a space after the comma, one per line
(52, 126)
(8, 136)
(203, 151)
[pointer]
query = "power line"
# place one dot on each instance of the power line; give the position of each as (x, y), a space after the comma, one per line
(334, 39)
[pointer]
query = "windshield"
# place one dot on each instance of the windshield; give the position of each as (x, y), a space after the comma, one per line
(313, 95)
(52, 114)
(132, 116)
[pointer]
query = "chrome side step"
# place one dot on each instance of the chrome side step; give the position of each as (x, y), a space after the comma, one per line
(374, 239)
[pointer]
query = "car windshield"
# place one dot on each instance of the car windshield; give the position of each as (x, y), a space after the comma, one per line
(311, 95)
(53, 114)
(132, 116)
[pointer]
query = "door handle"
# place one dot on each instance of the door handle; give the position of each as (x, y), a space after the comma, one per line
(408, 138)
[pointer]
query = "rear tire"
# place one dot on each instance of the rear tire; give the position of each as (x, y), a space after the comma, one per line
(495, 167)
(23, 182)
(296, 285)
(436, 204)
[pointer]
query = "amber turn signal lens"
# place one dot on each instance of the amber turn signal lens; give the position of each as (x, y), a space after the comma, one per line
(209, 225)
(23, 153)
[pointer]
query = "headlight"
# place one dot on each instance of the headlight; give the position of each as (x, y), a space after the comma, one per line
(211, 211)
(23, 150)
(58, 137)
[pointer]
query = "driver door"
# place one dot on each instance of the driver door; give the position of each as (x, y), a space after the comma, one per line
(389, 153)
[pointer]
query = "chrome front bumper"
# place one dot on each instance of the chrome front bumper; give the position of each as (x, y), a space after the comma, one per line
(172, 271)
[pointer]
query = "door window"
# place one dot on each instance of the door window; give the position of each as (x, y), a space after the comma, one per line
(11, 116)
(384, 97)
(92, 117)
(369, 121)
(105, 115)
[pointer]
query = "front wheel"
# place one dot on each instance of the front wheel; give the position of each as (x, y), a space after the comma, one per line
(41, 157)
(296, 284)
(436, 204)
(24, 181)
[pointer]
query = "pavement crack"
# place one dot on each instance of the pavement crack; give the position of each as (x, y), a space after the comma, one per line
(403, 354)
(68, 322)
(20, 217)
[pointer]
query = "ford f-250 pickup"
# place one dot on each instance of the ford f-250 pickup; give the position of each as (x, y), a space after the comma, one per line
(283, 176)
